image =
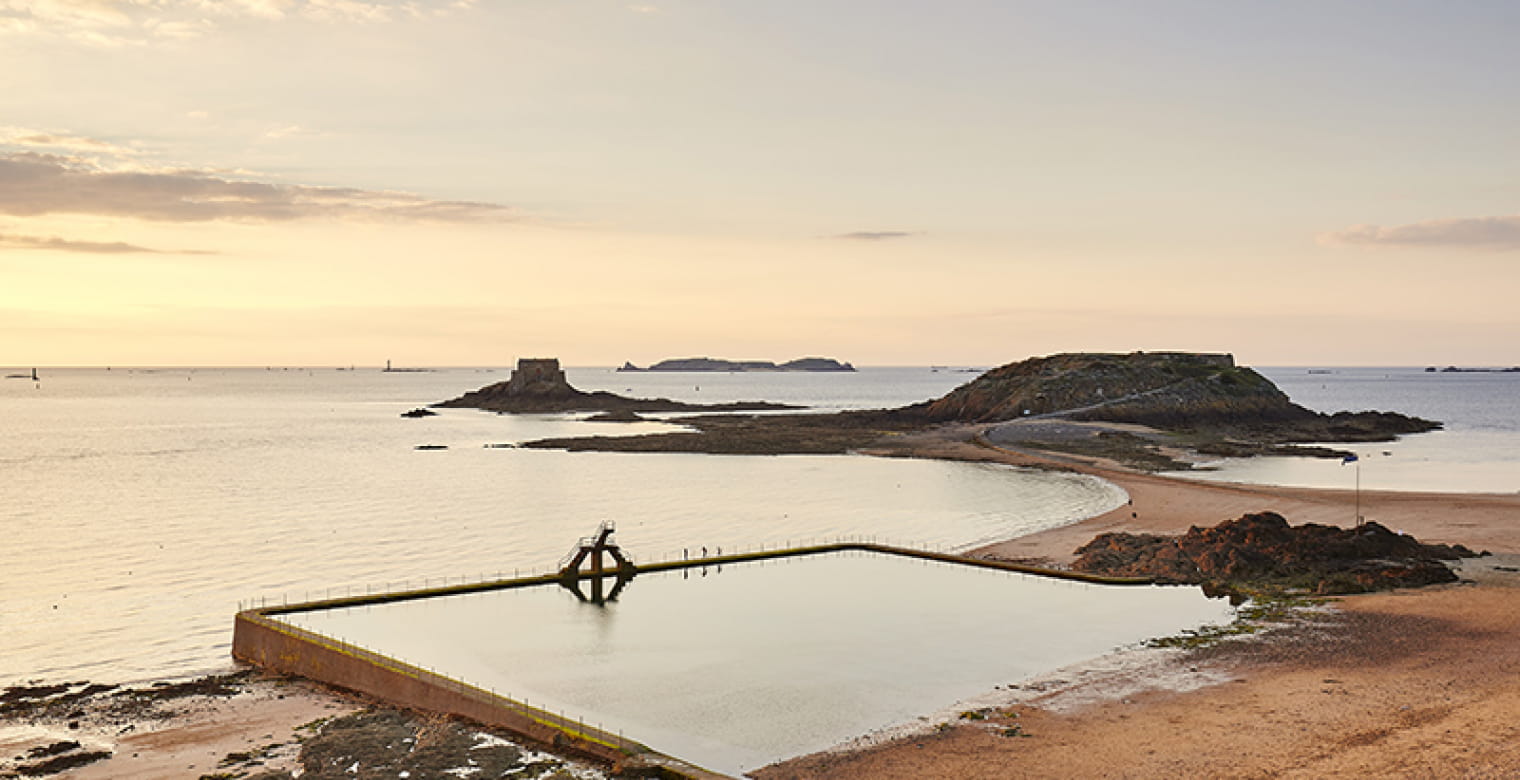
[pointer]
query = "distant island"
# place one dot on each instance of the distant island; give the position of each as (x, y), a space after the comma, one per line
(715, 364)
(1455, 370)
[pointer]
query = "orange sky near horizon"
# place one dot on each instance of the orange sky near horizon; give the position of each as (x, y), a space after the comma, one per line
(301, 182)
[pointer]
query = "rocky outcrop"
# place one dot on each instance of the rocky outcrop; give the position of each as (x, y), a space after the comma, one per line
(714, 364)
(1177, 391)
(538, 385)
(1258, 550)
(1219, 406)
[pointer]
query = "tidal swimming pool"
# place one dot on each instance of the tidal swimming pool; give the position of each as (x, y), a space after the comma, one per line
(738, 666)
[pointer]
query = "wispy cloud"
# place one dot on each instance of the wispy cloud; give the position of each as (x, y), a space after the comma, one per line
(12, 241)
(27, 138)
(34, 184)
(875, 235)
(1496, 233)
(138, 22)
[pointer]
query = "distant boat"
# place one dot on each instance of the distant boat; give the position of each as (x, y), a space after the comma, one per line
(32, 376)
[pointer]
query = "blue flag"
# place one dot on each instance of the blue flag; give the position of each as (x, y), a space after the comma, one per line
(1351, 458)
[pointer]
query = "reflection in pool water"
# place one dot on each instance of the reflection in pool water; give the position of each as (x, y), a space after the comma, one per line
(737, 667)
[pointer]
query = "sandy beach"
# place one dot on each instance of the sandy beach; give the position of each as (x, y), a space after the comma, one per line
(1415, 683)
(1402, 684)
(1409, 683)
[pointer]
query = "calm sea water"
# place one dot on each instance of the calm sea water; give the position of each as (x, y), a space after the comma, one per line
(141, 507)
(1477, 451)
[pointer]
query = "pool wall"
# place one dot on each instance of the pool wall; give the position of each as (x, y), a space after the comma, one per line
(260, 638)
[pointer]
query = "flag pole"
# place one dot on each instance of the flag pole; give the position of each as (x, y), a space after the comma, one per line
(1351, 457)
(1358, 493)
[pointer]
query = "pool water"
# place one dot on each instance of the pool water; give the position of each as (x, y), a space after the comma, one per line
(740, 666)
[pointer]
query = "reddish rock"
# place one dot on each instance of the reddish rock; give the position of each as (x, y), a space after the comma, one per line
(1264, 549)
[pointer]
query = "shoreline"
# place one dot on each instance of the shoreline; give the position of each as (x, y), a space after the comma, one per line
(1165, 504)
(1153, 712)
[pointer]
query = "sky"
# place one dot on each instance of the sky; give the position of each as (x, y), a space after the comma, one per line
(467, 182)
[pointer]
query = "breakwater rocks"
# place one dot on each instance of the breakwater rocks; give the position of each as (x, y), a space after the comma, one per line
(1174, 391)
(1263, 550)
(538, 385)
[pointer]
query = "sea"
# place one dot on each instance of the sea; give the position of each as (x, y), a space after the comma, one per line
(143, 507)
(1477, 449)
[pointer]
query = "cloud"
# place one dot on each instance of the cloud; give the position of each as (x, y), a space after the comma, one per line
(875, 235)
(27, 138)
(88, 247)
(114, 23)
(34, 184)
(1498, 233)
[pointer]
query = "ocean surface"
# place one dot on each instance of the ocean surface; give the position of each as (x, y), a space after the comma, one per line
(141, 508)
(1477, 451)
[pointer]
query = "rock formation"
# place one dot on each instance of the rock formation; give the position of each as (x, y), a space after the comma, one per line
(1177, 391)
(539, 385)
(1203, 401)
(1264, 550)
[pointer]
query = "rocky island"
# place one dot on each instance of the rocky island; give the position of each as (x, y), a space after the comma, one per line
(714, 364)
(1135, 408)
(538, 385)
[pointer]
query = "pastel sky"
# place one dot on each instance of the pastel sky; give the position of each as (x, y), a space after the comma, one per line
(464, 182)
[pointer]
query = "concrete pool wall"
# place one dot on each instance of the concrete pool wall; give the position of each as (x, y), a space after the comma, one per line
(262, 639)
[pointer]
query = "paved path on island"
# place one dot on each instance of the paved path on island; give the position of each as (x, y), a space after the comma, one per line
(1062, 413)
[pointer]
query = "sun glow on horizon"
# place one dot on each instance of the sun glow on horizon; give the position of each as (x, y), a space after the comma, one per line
(456, 182)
